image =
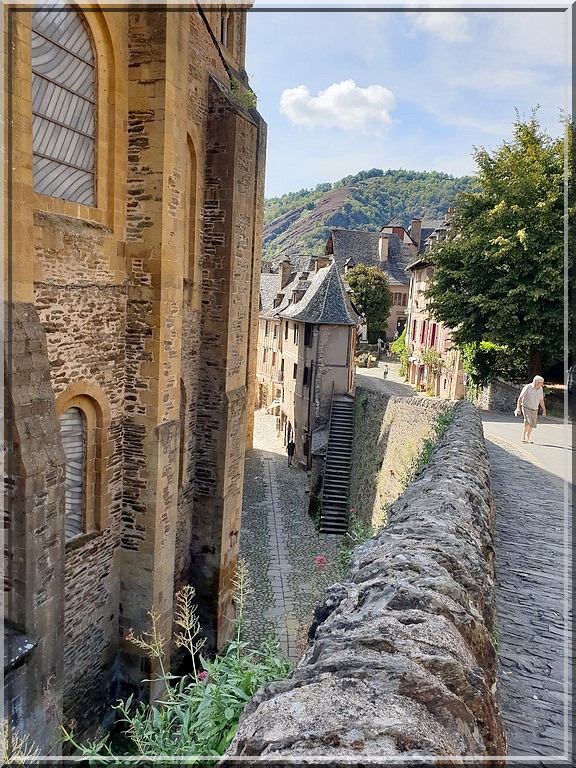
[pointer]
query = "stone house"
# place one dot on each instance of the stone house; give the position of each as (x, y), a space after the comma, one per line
(307, 337)
(425, 334)
(135, 223)
(391, 250)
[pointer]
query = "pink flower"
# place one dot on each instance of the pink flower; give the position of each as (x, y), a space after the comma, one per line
(320, 560)
(203, 675)
(352, 510)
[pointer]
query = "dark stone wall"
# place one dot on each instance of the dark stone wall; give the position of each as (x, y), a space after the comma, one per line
(400, 660)
(33, 530)
(232, 183)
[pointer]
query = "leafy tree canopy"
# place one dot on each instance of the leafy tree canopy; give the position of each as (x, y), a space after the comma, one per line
(500, 277)
(371, 296)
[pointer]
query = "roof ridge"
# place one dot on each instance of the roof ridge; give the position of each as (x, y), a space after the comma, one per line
(327, 291)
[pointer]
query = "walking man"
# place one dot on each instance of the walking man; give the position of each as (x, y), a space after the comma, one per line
(385, 372)
(290, 450)
(530, 399)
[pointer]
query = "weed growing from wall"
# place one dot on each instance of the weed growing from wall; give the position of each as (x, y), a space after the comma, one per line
(16, 750)
(198, 713)
(242, 95)
(441, 422)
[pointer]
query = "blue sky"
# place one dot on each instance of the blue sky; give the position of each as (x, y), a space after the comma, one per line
(344, 91)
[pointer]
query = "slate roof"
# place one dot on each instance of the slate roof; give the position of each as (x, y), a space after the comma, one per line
(268, 290)
(300, 261)
(325, 301)
(362, 248)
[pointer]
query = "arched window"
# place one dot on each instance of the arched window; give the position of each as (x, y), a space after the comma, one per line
(73, 432)
(63, 106)
(84, 423)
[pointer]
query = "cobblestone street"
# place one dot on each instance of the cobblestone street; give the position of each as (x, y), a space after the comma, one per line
(279, 543)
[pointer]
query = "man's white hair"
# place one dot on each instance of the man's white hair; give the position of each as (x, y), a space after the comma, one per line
(536, 379)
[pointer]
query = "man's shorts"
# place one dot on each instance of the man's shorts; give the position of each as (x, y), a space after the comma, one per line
(530, 416)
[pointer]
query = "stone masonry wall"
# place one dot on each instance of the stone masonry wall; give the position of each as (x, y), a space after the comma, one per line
(388, 434)
(227, 277)
(144, 304)
(82, 308)
(500, 396)
(400, 662)
(33, 528)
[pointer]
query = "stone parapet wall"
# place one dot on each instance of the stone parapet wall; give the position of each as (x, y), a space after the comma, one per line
(401, 660)
(388, 435)
(499, 396)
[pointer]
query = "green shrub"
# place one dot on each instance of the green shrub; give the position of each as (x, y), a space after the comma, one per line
(198, 713)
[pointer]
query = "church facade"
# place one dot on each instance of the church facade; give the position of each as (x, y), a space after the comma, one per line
(135, 168)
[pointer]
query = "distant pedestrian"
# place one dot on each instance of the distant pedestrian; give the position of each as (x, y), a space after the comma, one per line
(529, 400)
(380, 347)
(290, 448)
(385, 372)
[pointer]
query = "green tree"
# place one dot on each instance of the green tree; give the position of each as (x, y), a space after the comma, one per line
(400, 348)
(371, 296)
(499, 278)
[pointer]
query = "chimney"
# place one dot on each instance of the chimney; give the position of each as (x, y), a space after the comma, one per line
(284, 272)
(322, 261)
(383, 247)
(416, 231)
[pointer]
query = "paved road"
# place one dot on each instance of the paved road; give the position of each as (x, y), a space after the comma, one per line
(533, 589)
(531, 486)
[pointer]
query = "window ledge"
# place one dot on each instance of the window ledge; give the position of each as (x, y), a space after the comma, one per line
(79, 541)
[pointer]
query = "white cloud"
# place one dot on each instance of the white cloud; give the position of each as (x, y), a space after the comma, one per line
(342, 105)
(446, 25)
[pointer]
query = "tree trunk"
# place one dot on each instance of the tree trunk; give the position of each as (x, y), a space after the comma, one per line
(534, 362)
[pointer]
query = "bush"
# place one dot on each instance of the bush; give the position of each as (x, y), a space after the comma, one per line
(198, 713)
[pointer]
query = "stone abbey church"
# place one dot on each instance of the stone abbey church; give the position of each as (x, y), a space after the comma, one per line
(135, 165)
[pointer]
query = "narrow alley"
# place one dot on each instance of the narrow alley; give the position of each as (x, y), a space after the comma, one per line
(533, 582)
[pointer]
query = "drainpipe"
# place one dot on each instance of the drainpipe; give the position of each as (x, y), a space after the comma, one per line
(310, 390)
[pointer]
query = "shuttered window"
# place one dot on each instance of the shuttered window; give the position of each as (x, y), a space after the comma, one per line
(73, 431)
(63, 106)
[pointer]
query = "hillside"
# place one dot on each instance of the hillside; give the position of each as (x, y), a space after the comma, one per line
(299, 222)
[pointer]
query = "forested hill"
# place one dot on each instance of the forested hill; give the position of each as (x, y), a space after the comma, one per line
(299, 222)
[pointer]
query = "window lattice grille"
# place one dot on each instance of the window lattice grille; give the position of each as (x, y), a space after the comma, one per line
(63, 106)
(73, 431)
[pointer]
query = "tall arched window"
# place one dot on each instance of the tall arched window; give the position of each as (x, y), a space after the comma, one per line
(73, 432)
(63, 106)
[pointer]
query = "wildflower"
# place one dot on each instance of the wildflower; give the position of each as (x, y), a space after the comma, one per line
(320, 560)
(352, 510)
(203, 675)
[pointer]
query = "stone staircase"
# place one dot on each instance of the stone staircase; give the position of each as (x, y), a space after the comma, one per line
(335, 500)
